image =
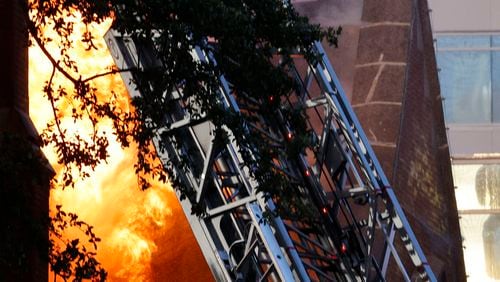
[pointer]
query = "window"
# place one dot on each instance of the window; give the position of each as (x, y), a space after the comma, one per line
(478, 202)
(469, 77)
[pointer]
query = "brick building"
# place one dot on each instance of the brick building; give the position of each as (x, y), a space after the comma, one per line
(386, 63)
(24, 173)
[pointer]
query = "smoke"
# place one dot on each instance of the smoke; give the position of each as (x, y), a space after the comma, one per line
(334, 13)
(331, 12)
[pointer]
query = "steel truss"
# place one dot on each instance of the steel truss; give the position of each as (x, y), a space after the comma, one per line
(361, 221)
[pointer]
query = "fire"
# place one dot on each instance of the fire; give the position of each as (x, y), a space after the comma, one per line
(145, 235)
(136, 249)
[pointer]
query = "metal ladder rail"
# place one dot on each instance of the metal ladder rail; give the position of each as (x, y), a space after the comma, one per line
(361, 159)
(200, 227)
(267, 236)
(270, 203)
(372, 214)
(315, 188)
(233, 104)
(368, 165)
(318, 101)
(228, 99)
(314, 184)
(230, 103)
(192, 176)
(314, 101)
(371, 166)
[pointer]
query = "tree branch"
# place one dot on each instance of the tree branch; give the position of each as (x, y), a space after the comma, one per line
(54, 110)
(34, 33)
(107, 73)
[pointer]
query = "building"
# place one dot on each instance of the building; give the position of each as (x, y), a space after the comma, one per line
(467, 43)
(24, 180)
(388, 66)
(386, 62)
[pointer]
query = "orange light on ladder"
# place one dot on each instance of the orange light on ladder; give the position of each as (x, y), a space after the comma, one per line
(324, 210)
(343, 248)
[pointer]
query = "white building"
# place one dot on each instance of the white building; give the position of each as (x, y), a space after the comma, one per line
(467, 36)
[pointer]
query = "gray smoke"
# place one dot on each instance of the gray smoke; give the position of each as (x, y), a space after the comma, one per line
(331, 12)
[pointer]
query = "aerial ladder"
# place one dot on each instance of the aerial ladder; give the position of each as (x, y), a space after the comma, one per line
(361, 226)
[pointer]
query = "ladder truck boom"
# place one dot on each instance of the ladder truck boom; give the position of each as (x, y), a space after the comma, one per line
(361, 221)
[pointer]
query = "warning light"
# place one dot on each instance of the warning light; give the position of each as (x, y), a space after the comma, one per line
(307, 173)
(343, 248)
(324, 210)
(271, 98)
(289, 136)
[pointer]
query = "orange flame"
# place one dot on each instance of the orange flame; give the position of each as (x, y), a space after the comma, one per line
(145, 235)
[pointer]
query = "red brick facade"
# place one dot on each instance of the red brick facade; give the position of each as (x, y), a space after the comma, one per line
(24, 193)
(397, 99)
(14, 56)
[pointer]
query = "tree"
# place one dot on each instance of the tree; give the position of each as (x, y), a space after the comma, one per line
(244, 38)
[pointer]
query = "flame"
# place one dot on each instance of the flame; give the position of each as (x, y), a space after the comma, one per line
(139, 230)
(136, 249)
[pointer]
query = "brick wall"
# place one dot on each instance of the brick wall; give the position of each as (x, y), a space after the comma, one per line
(24, 198)
(396, 96)
(13, 55)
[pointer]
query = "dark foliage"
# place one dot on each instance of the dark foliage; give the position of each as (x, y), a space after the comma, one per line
(245, 37)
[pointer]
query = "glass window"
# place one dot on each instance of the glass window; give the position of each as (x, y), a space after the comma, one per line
(470, 77)
(478, 203)
(495, 41)
(466, 86)
(481, 234)
(477, 186)
(463, 41)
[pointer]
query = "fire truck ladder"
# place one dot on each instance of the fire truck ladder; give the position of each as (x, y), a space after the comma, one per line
(360, 221)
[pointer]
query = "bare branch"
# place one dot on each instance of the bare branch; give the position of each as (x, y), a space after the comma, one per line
(111, 72)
